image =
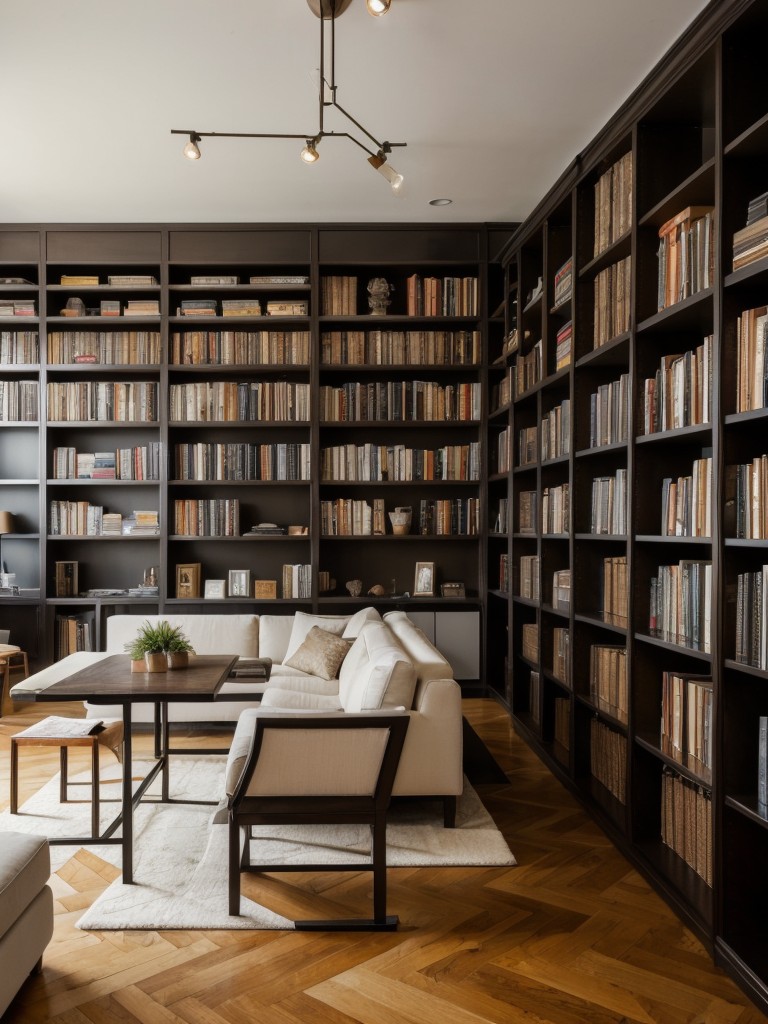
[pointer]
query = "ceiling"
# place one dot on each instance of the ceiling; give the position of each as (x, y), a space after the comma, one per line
(493, 97)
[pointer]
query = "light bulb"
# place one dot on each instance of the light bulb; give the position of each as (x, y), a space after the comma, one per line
(378, 7)
(387, 171)
(309, 154)
(191, 149)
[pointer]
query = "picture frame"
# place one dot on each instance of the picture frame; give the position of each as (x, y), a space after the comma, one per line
(188, 576)
(215, 589)
(239, 583)
(265, 590)
(424, 580)
(452, 589)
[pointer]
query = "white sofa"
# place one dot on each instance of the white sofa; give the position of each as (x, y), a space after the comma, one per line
(391, 664)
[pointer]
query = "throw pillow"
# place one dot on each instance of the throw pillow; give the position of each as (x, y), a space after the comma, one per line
(358, 620)
(320, 654)
(303, 622)
(390, 681)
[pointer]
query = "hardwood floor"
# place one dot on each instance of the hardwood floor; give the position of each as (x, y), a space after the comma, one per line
(572, 934)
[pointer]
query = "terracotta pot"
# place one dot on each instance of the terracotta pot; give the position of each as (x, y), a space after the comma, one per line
(156, 662)
(138, 665)
(178, 659)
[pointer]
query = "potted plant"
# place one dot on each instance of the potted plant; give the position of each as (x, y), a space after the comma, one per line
(149, 650)
(177, 647)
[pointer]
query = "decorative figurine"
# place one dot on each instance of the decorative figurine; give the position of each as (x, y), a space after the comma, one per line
(355, 587)
(379, 291)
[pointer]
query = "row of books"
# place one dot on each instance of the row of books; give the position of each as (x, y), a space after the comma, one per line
(370, 462)
(527, 370)
(241, 461)
(529, 585)
(615, 590)
(440, 517)
(18, 307)
(561, 589)
(562, 287)
(686, 822)
(680, 393)
(527, 508)
(81, 519)
(527, 446)
(211, 517)
(449, 517)
(240, 348)
(612, 306)
(750, 243)
(242, 307)
(681, 604)
(564, 346)
(556, 431)
(501, 392)
(686, 502)
(504, 450)
(74, 633)
(352, 517)
(233, 401)
(504, 581)
(110, 348)
(139, 463)
(609, 413)
(113, 280)
(201, 280)
(19, 347)
(18, 401)
(400, 400)
(686, 255)
(561, 654)
(608, 514)
(66, 579)
(106, 401)
(451, 296)
(687, 708)
(613, 203)
(608, 758)
(393, 348)
(529, 636)
(338, 295)
(746, 499)
(608, 680)
(751, 641)
(297, 581)
(752, 359)
(556, 509)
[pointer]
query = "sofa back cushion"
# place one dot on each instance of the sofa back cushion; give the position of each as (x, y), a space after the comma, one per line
(303, 622)
(274, 634)
(358, 620)
(377, 673)
(208, 634)
(428, 661)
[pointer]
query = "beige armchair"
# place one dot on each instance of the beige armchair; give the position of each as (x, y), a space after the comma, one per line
(317, 769)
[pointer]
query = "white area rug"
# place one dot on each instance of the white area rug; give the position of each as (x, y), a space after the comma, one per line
(180, 858)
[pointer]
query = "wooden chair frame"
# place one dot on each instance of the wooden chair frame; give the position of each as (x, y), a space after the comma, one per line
(319, 808)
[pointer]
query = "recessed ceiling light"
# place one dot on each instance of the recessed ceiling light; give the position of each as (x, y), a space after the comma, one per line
(440, 202)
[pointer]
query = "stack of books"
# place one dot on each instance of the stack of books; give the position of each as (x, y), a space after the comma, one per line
(751, 242)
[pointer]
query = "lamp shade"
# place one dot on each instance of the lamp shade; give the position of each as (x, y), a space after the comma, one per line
(6, 522)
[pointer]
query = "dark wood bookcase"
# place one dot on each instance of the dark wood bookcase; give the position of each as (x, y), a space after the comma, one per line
(299, 259)
(696, 136)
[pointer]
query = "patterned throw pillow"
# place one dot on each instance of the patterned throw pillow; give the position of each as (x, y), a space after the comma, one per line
(320, 654)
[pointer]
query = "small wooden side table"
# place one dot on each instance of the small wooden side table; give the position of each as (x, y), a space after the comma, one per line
(111, 736)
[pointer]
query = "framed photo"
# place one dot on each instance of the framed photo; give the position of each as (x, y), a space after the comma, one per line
(265, 590)
(188, 579)
(239, 583)
(215, 588)
(454, 589)
(424, 580)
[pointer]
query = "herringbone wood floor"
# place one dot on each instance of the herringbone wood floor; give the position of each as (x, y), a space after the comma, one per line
(571, 935)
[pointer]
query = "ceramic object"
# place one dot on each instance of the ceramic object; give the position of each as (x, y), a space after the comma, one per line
(401, 520)
(355, 587)
(156, 662)
(178, 659)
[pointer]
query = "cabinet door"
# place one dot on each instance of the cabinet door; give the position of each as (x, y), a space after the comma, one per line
(457, 636)
(426, 622)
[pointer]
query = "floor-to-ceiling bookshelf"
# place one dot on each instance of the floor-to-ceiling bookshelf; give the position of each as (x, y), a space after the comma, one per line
(636, 619)
(237, 376)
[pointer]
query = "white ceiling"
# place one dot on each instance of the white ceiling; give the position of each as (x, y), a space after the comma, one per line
(493, 97)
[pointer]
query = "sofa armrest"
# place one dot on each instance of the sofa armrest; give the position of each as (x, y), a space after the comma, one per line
(27, 688)
(432, 762)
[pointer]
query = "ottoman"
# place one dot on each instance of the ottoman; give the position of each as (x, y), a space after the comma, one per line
(26, 910)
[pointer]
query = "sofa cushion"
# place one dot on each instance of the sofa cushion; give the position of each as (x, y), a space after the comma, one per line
(303, 622)
(208, 634)
(320, 654)
(274, 634)
(25, 867)
(358, 620)
(388, 681)
(293, 700)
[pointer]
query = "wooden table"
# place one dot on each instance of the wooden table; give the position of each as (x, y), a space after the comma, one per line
(111, 682)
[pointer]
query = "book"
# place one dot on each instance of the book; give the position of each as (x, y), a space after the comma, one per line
(79, 279)
(762, 765)
(55, 726)
(131, 279)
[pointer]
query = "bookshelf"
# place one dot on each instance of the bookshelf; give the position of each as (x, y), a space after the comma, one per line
(211, 379)
(664, 631)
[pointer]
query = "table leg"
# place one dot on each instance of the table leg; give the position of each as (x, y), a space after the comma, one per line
(165, 731)
(127, 797)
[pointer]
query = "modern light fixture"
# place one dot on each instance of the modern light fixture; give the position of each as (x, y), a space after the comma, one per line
(325, 10)
(440, 202)
(192, 150)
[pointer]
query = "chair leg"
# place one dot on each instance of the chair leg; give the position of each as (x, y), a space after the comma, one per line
(63, 762)
(234, 869)
(95, 787)
(449, 811)
(379, 858)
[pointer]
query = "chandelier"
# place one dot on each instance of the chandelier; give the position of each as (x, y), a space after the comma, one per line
(378, 151)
